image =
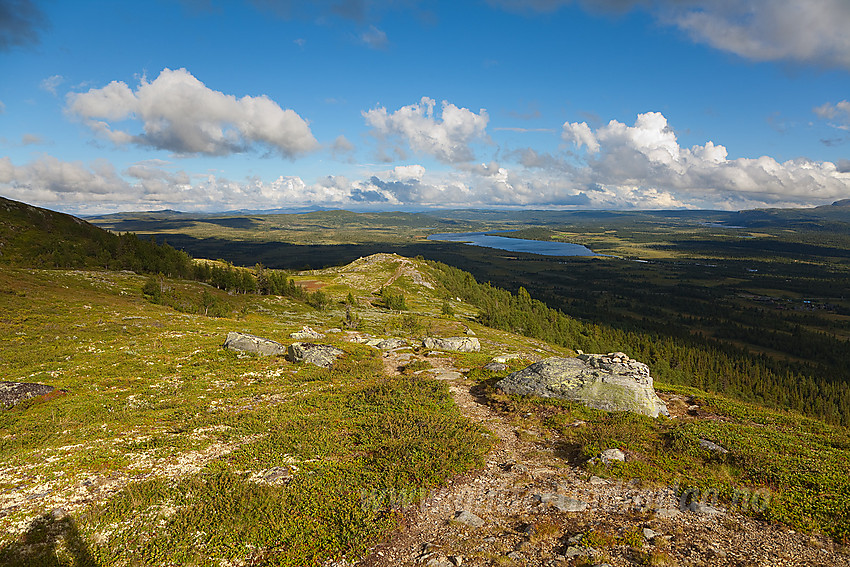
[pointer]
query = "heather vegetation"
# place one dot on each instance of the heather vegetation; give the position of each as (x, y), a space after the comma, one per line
(166, 448)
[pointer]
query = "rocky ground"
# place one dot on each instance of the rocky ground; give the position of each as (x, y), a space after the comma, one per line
(529, 506)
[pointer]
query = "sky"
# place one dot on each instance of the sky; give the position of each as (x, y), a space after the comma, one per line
(218, 105)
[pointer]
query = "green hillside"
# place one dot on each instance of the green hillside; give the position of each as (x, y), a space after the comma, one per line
(159, 446)
(35, 237)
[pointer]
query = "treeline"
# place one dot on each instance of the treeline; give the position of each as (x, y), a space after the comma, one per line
(686, 359)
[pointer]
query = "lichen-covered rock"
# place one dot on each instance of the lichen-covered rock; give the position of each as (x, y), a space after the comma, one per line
(306, 333)
(391, 343)
(561, 502)
(611, 382)
(608, 456)
(12, 393)
(310, 353)
(456, 344)
(243, 342)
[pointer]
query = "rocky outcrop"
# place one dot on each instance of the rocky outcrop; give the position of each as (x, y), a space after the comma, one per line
(309, 353)
(456, 344)
(12, 393)
(610, 382)
(243, 342)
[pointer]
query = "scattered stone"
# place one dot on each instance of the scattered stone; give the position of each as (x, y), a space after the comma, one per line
(392, 343)
(608, 456)
(561, 503)
(438, 562)
(650, 534)
(306, 333)
(310, 353)
(243, 342)
(666, 513)
(468, 519)
(712, 446)
(704, 509)
(13, 393)
(456, 344)
(596, 481)
(495, 367)
(611, 382)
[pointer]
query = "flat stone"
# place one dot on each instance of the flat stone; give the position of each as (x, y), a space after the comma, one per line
(391, 343)
(243, 342)
(441, 374)
(666, 513)
(456, 344)
(605, 382)
(468, 519)
(650, 534)
(596, 481)
(495, 367)
(12, 393)
(561, 502)
(703, 509)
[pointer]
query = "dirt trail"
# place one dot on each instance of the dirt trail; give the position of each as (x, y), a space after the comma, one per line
(518, 514)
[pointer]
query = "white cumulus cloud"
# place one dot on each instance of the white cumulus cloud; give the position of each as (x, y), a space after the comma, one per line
(647, 155)
(448, 137)
(179, 113)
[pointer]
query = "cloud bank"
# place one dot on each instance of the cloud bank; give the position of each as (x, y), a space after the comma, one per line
(178, 113)
(648, 156)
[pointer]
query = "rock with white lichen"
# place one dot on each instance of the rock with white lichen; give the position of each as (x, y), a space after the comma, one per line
(610, 382)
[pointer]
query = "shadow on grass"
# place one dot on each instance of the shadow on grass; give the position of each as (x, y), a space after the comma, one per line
(52, 540)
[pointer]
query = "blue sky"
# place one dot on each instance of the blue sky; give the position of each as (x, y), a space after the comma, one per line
(259, 104)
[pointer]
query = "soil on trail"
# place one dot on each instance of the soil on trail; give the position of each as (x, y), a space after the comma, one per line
(529, 506)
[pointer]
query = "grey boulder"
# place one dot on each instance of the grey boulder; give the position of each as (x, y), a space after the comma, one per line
(306, 333)
(310, 353)
(243, 342)
(391, 343)
(610, 382)
(608, 456)
(456, 344)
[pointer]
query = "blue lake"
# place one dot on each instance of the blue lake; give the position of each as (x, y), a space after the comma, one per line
(487, 240)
